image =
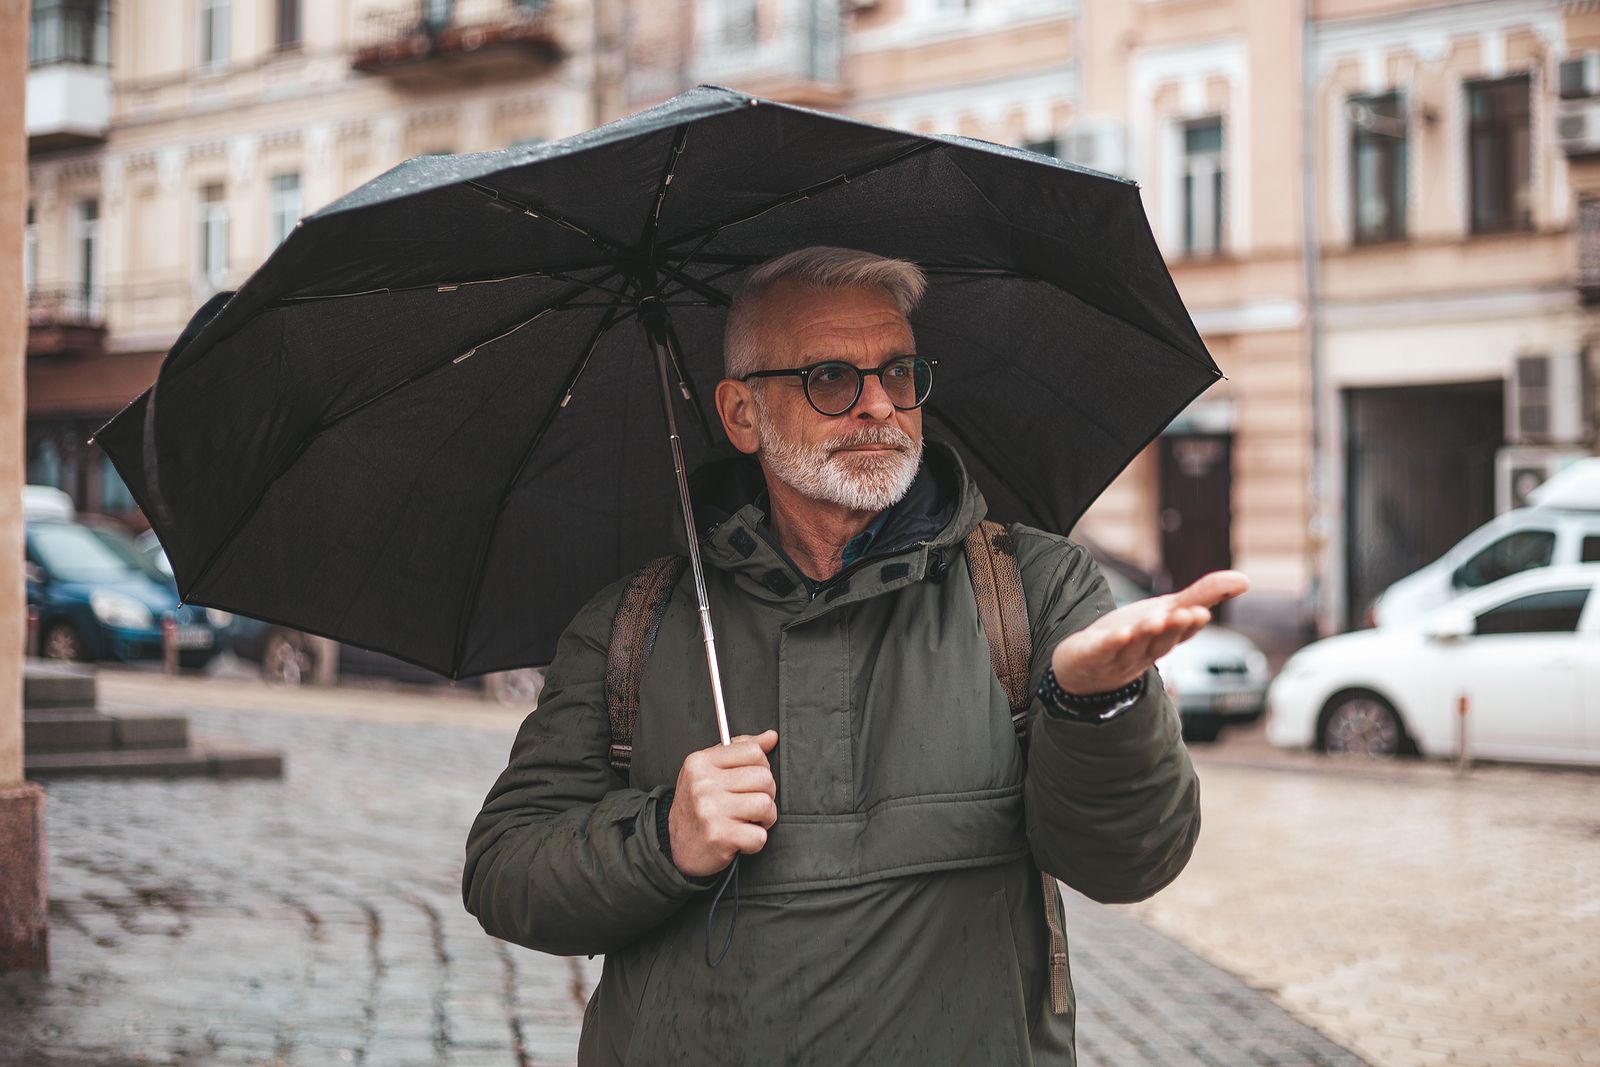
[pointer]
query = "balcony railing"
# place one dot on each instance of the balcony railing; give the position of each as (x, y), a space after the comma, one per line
(429, 37)
(62, 322)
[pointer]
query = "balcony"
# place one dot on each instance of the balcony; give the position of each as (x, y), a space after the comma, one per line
(436, 43)
(69, 74)
(65, 322)
(788, 51)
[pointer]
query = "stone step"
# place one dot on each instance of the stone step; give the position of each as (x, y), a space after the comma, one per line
(69, 731)
(57, 685)
(157, 763)
(77, 730)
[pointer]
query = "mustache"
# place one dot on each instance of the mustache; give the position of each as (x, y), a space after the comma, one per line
(871, 435)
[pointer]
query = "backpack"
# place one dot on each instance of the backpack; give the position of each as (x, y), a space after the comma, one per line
(1002, 611)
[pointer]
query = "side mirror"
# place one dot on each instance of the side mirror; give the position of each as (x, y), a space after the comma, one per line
(34, 573)
(1451, 624)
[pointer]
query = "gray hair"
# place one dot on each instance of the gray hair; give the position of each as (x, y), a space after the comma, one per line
(821, 267)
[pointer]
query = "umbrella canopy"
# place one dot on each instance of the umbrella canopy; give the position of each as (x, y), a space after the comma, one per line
(430, 424)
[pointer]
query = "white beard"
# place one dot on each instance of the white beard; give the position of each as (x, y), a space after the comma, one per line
(861, 481)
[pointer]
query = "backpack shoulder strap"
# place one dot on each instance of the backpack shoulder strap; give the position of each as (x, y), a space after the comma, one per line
(997, 584)
(633, 635)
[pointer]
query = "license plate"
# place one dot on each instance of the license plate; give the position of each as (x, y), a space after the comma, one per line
(1243, 701)
(193, 637)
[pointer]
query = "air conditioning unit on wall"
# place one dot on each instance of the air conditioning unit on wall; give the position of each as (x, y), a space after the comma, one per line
(1545, 399)
(1519, 469)
(1578, 126)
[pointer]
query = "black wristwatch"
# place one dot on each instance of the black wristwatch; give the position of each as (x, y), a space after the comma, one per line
(1094, 708)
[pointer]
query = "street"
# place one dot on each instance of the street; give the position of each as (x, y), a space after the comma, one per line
(1402, 913)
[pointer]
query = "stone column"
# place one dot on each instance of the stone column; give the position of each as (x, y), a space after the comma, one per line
(23, 932)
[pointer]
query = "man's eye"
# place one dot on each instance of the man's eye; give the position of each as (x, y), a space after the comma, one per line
(898, 370)
(828, 375)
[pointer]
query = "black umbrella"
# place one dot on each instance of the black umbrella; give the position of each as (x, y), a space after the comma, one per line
(430, 424)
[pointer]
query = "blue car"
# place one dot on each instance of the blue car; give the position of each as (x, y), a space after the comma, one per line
(95, 599)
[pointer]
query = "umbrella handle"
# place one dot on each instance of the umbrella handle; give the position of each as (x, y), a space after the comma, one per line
(654, 318)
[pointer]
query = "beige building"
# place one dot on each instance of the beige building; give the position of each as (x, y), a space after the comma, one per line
(1384, 395)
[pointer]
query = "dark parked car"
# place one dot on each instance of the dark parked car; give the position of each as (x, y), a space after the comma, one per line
(95, 600)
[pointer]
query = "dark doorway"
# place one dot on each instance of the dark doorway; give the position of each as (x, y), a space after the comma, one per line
(1419, 476)
(1196, 505)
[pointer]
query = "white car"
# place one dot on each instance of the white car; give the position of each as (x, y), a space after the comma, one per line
(1524, 653)
(1561, 526)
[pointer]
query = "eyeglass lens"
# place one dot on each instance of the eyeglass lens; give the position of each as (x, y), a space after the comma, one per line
(834, 387)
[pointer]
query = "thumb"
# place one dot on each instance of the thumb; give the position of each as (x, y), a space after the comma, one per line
(1211, 589)
(767, 739)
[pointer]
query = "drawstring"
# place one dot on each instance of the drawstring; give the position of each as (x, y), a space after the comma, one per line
(711, 917)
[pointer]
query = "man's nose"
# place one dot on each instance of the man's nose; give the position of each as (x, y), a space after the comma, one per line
(874, 402)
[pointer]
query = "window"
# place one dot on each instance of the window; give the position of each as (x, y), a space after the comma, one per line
(213, 238)
(739, 23)
(86, 256)
(1202, 187)
(30, 251)
(283, 209)
(114, 494)
(288, 34)
(1378, 168)
(214, 33)
(1512, 554)
(70, 31)
(1500, 151)
(1590, 552)
(1555, 612)
(1045, 147)
(436, 14)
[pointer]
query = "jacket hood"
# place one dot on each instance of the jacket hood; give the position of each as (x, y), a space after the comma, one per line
(941, 508)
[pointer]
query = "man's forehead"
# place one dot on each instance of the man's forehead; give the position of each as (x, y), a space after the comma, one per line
(845, 319)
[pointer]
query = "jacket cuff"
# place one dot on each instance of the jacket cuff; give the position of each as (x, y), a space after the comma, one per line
(663, 812)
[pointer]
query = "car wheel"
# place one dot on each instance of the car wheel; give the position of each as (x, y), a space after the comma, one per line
(62, 641)
(286, 658)
(1201, 731)
(518, 688)
(1361, 723)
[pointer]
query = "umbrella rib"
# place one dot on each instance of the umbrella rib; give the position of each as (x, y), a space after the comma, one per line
(686, 384)
(652, 225)
(481, 560)
(611, 248)
(249, 509)
(705, 233)
(446, 287)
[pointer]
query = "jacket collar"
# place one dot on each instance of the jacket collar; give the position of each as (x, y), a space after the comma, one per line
(941, 508)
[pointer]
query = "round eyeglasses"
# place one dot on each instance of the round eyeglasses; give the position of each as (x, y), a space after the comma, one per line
(833, 386)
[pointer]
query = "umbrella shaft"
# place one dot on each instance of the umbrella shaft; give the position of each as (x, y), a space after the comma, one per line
(659, 341)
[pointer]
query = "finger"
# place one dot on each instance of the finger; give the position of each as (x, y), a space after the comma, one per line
(1211, 590)
(741, 752)
(749, 807)
(747, 837)
(752, 779)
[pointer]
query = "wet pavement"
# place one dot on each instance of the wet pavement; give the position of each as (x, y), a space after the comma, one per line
(317, 920)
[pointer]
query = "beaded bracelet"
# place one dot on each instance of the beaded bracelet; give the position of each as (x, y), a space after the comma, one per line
(1088, 707)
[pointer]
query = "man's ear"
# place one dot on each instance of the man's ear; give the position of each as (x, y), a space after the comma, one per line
(738, 411)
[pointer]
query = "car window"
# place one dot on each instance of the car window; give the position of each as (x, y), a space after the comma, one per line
(1590, 552)
(73, 553)
(1553, 612)
(1513, 553)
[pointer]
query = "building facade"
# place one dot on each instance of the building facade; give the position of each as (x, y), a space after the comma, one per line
(1374, 210)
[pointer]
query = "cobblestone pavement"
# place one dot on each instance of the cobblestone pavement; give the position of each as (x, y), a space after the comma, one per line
(1415, 916)
(317, 921)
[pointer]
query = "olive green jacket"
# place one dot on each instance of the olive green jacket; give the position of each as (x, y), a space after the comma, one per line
(895, 915)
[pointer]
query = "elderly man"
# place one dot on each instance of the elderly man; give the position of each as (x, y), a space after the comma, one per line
(892, 826)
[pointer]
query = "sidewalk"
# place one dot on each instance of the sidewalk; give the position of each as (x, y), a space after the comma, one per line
(318, 920)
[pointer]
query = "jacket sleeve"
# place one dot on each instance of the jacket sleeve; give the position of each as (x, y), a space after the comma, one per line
(1113, 810)
(564, 857)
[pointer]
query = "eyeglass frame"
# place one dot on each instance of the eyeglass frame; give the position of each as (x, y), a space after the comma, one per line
(804, 374)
